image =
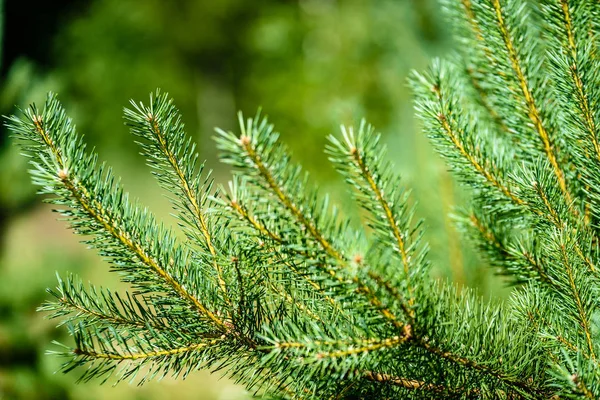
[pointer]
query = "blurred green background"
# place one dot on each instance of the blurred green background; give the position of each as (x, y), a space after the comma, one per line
(310, 64)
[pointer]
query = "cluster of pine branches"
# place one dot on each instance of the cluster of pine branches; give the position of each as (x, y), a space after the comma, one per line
(273, 287)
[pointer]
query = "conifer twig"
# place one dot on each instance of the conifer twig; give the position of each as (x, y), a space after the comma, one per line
(200, 220)
(245, 142)
(105, 218)
(534, 113)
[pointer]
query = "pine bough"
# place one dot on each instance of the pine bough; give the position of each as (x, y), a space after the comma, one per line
(276, 289)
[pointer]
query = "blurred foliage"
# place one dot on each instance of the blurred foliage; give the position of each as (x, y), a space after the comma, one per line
(310, 64)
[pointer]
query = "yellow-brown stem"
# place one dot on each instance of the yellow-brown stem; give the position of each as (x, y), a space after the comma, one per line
(263, 230)
(190, 194)
(97, 212)
(584, 319)
(583, 388)
(466, 362)
(452, 135)
(142, 355)
(533, 111)
(584, 105)
(389, 215)
(399, 237)
(287, 202)
(402, 382)
(489, 236)
(353, 347)
(555, 219)
(369, 347)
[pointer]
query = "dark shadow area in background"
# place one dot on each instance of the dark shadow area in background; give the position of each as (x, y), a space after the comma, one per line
(30, 27)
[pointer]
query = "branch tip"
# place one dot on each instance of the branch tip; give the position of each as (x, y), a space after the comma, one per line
(245, 140)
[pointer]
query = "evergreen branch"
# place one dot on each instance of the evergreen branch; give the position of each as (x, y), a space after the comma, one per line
(514, 260)
(260, 227)
(309, 351)
(102, 216)
(301, 306)
(458, 360)
(86, 199)
(116, 356)
(582, 95)
(574, 68)
(540, 194)
(584, 318)
(441, 110)
(326, 351)
(473, 160)
(393, 291)
(277, 288)
(516, 59)
(389, 215)
(518, 384)
(563, 248)
(579, 377)
(100, 307)
(534, 113)
(374, 186)
(234, 203)
(456, 143)
(200, 219)
(455, 346)
(558, 223)
(255, 160)
(104, 351)
(484, 100)
(344, 349)
(160, 124)
(472, 20)
(533, 320)
(379, 193)
(539, 307)
(572, 61)
(383, 344)
(473, 65)
(246, 144)
(253, 222)
(481, 65)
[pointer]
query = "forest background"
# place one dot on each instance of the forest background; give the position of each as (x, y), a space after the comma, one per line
(310, 64)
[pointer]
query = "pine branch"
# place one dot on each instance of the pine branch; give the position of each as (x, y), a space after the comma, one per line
(105, 352)
(239, 210)
(111, 331)
(276, 288)
(96, 200)
(482, 171)
(574, 67)
(533, 110)
(379, 194)
(101, 307)
(513, 259)
(515, 62)
(469, 155)
(167, 149)
(254, 153)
